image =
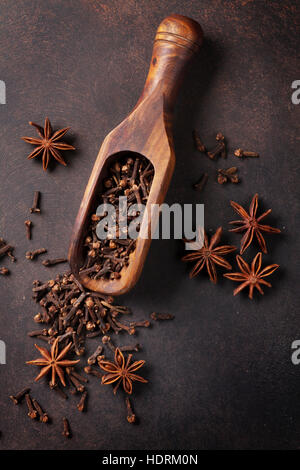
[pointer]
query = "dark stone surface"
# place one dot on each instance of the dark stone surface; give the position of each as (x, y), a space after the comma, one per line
(220, 374)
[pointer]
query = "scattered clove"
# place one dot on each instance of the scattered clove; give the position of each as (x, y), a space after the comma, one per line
(53, 262)
(4, 271)
(93, 358)
(42, 332)
(220, 148)
(144, 323)
(66, 431)
(35, 205)
(220, 138)
(161, 316)
(28, 225)
(75, 382)
(242, 153)
(131, 418)
(201, 182)
(30, 255)
(198, 143)
(19, 396)
(44, 418)
(82, 403)
(129, 348)
(32, 413)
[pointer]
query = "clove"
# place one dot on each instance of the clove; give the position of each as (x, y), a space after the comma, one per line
(217, 150)
(131, 418)
(53, 262)
(79, 387)
(32, 413)
(35, 205)
(28, 225)
(30, 255)
(242, 153)
(129, 348)
(19, 396)
(220, 138)
(44, 418)
(199, 185)
(161, 316)
(93, 358)
(144, 323)
(4, 271)
(107, 340)
(82, 403)
(66, 431)
(198, 143)
(43, 332)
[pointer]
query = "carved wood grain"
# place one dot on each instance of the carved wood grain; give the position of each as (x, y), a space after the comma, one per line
(147, 131)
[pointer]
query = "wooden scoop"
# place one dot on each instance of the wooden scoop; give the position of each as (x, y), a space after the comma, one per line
(146, 131)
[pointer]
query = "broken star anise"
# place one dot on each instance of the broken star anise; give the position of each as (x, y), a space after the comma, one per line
(48, 144)
(251, 276)
(210, 255)
(119, 371)
(251, 224)
(53, 362)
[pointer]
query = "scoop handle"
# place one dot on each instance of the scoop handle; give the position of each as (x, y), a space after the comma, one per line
(177, 40)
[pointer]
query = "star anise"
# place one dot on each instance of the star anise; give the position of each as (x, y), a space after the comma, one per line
(48, 144)
(121, 372)
(251, 276)
(252, 225)
(210, 255)
(53, 362)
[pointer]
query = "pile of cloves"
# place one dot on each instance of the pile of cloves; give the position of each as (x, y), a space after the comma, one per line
(72, 314)
(130, 177)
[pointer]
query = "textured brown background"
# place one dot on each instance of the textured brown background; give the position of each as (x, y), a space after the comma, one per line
(220, 374)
